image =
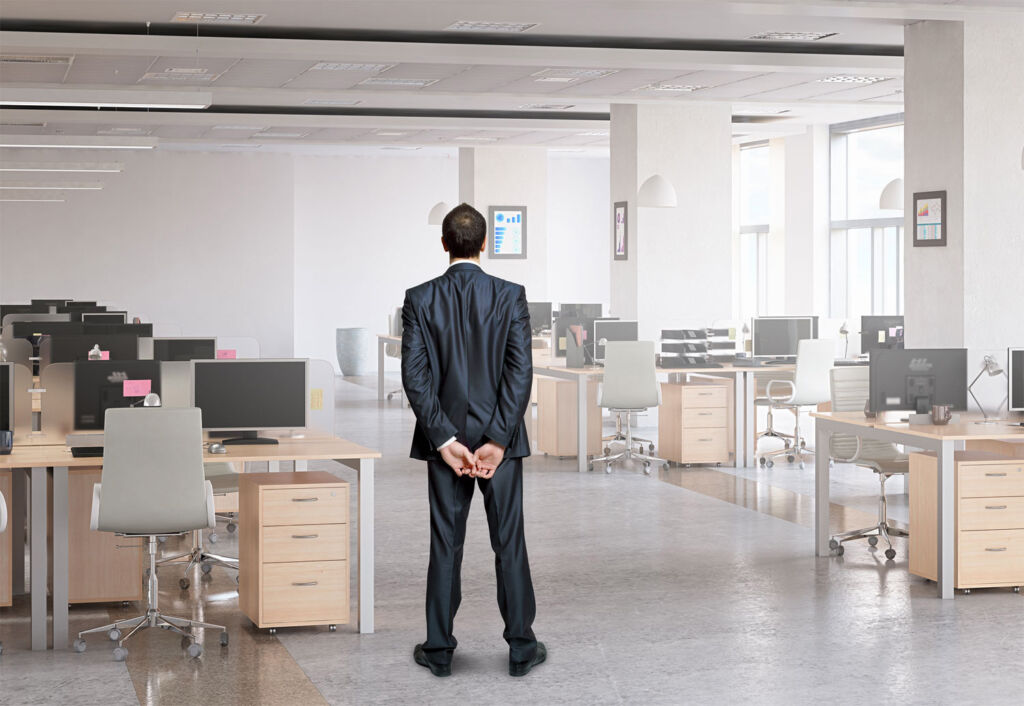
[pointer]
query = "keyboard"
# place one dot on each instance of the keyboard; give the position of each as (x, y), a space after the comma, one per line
(87, 451)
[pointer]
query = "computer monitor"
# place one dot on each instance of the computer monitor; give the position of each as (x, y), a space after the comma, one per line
(613, 330)
(6, 396)
(778, 336)
(878, 332)
(181, 349)
(68, 349)
(134, 329)
(49, 302)
(33, 330)
(75, 304)
(1015, 382)
(914, 379)
(250, 396)
(100, 385)
(583, 311)
(104, 317)
(540, 316)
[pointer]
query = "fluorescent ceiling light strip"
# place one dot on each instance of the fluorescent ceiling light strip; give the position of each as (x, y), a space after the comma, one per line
(80, 142)
(98, 167)
(31, 200)
(106, 98)
(51, 186)
(78, 147)
(69, 104)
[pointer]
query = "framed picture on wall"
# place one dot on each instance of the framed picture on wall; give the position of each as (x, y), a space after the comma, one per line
(930, 219)
(508, 232)
(620, 230)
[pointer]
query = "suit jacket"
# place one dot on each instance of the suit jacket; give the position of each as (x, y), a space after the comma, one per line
(467, 361)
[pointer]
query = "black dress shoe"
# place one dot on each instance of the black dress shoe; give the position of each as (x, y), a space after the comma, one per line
(521, 669)
(438, 670)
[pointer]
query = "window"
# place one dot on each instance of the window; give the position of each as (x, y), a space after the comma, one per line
(866, 248)
(755, 212)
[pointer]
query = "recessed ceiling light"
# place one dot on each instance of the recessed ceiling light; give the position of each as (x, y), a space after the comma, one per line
(247, 128)
(672, 87)
(398, 147)
(593, 133)
(31, 200)
(177, 76)
(555, 79)
(475, 26)
(342, 66)
(761, 111)
(473, 138)
(793, 36)
(406, 82)
(217, 18)
(103, 167)
(568, 75)
(124, 131)
(52, 185)
(853, 79)
(389, 133)
(240, 146)
(32, 59)
(547, 106)
(272, 133)
(330, 101)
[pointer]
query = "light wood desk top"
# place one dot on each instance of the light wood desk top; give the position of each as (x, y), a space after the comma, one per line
(546, 362)
(966, 430)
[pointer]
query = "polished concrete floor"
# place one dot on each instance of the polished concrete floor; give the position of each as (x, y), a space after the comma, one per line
(698, 586)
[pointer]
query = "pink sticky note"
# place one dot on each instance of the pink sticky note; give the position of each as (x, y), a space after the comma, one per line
(137, 388)
(226, 354)
(104, 355)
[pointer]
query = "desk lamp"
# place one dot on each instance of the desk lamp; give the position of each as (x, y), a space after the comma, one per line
(845, 333)
(991, 366)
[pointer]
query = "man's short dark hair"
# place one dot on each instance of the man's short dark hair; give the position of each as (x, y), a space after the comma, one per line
(464, 231)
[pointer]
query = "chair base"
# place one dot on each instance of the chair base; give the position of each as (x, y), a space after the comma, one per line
(628, 441)
(881, 530)
(795, 446)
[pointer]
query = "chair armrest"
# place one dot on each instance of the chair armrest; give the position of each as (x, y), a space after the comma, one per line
(856, 454)
(211, 513)
(94, 517)
(772, 398)
(3, 513)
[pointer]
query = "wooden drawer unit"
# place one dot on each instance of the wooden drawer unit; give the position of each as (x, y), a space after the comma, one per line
(293, 555)
(989, 529)
(695, 422)
(556, 418)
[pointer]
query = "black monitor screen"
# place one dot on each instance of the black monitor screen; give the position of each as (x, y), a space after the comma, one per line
(35, 329)
(49, 302)
(540, 316)
(613, 330)
(135, 329)
(100, 385)
(250, 394)
(583, 311)
(178, 349)
(880, 332)
(1016, 382)
(93, 306)
(104, 317)
(914, 379)
(68, 349)
(779, 336)
(6, 397)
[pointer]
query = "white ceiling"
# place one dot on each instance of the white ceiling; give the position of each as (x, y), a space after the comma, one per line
(283, 73)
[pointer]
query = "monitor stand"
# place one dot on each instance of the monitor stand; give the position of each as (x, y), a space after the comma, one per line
(249, 437)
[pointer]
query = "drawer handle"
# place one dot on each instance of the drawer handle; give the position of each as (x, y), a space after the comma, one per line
(703, 439)
(304, 500)
(995, 549)
(996, 475)
(995, 507)
(305, 536)
(703, 414)
(304, 583)
(703, 394)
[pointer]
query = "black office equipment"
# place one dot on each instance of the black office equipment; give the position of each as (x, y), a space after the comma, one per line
(613, 330)
(684, 334)
(86, 451)
(778, 336)
(6, 309)
(140, 330)
(99, 386)
(33, 330)
(916, 378)
(540, 316)
(68, 349)
(6, 396)
(685, 347)
(182, 349)
(581, 311)
(74, 304)
(1015, 379)
(104, 317)
(249, 396)
(49, 302)
(880, 332)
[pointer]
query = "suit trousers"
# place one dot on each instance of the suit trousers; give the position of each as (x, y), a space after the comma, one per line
(450, 498)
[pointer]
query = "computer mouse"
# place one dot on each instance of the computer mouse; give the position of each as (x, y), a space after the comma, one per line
(218, 449)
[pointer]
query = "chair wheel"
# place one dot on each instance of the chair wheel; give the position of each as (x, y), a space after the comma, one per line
(232, 527)
(1016, 589)
(650, 447)
(332, 628)
(161, 539)
(272, 631)
(391, 396)
(184, 584)
(206, 567)
(607, 468)
(647, 469)
(79, 645)
(840, 550)
(120, 654)
(802, 465)
(762, 460)
(791, 458)
(833, 544)
(590, 467)
(194, 650)
(224, 639)
(769, 463)
(236, 578)
(890, 553)
(212, 537)
(114, 634)
(967, 591)
(873, 541)
(607, 451)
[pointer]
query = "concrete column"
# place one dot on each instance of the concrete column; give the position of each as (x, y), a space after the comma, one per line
(679, 271)
(806, 222)
(964, 134)
(512, 176)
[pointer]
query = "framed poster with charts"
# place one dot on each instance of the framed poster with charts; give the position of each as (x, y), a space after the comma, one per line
(620, 230)
(930, 219)
(508, 232)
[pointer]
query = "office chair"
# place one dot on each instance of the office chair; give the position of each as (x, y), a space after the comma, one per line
(3, 528)
(152, 486)
(394, 350)
(630, 386)
(808, 388)
(850, 387)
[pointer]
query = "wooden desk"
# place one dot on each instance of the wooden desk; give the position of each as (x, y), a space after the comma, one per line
(943, 440)
(38, 459)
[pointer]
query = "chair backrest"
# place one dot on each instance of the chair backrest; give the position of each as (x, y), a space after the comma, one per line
(3, 513)
(153, 480)
(630, 378)
(849, 393)
(394, 350)
(815, 357)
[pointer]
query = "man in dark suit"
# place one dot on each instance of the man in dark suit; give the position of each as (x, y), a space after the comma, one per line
(467, 369)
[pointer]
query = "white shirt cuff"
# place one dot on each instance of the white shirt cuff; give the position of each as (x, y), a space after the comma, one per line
(447, 443)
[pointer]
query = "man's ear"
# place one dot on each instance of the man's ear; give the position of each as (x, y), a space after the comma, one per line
(483, 245)
(444, 244)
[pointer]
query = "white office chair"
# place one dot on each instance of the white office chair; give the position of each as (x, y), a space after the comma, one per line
(808, 388)
(850, 389)
(3, 528)
(630, 386)
(152, 486)
(394, 350)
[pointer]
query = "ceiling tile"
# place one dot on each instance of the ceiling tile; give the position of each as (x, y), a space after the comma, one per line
(32, 73)
(756, 85)
(481, 78)
(96, 69)
(263, 73)
(186, 71)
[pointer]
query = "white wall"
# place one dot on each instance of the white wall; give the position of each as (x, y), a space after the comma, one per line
(362, 239)
(202, 240)
(579, 229)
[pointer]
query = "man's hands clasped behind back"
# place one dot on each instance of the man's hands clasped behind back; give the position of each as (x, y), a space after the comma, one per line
(481, 464)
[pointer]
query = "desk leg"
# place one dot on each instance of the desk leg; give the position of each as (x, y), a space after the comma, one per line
(750, 413)
(946, 519)
(366, 545)
(739, 417)
(60, 558)
(40, 561)
(19, 513)
(380, 369)
(821, 491)
(581, 423)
